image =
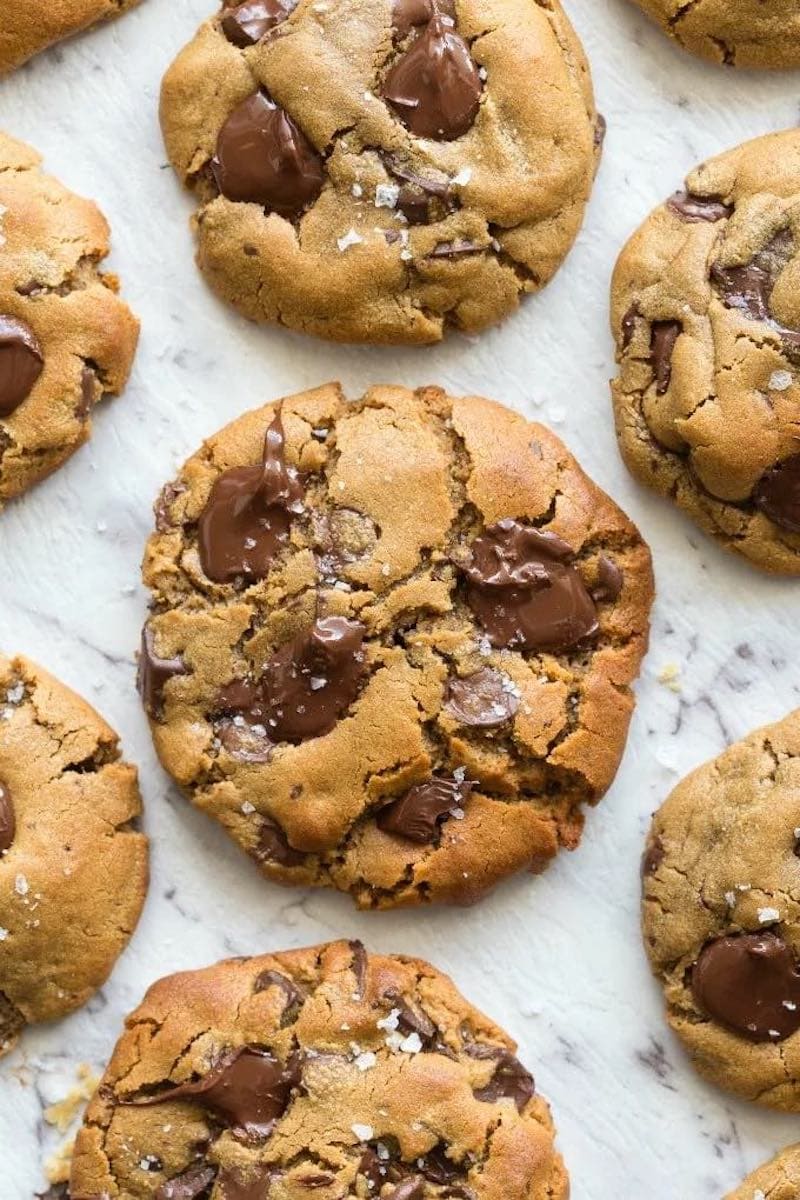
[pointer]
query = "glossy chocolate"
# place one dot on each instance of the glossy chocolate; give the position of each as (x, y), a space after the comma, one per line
(264, 158)
(525, 592)
(21, 363)
(248, 515)
(418, 814)
(246, 24)
(485, 699)
(699, 208)
(663, 336)
(252, 1183)
(434, 87)
(273, 846)
(410, 14)
(750, 982)
(8, 822)
(510, 1080)
(777, 494)
(610, 580)
(154, 672)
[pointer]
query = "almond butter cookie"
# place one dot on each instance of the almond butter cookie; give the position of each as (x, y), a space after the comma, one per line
(325, 1070)
(748, 33)
(392, 641)
(706, 315)
(722, 915)
(66, 339)
(378, 172)
(73, 868)
(776, 1180)
(29, 26)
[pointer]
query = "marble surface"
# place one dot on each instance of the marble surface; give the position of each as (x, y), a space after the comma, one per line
(557, 960)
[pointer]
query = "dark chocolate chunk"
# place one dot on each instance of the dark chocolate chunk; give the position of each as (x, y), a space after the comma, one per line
(663, 336)
(609, 580)
(777, 494)
(510, 1080)
(273, 846)
(434, 87)
(653, 856)
(194, 1184)
(246, 24)
(750, 982)
(418, 813)
(154, 672)
(8, 822)
(485, 699)
(699, 208)
(21, 363)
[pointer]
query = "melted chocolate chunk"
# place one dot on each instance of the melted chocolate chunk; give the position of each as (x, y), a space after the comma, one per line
(663, 336)
(373, 1170)
(274, 847)
(153, 672)
(8, 822)
(417, 815)
(699, 208)
(252, 1184)
(86, 402)
(653, 857)
(609, 580)
(293, 996)
(410, 14)
(247, 517)
(523, 590)
(438, 1168)
(456, 249)
(510, 1080)
(777, 494)
(749, 288)
(600, 131)
(629, 326)
(163, 505)
(359, 967)
(248, 1089)
(484, 700)
(751, 983)
(21, 363)
(306, 685)
(412, 1188)
(194, 1184)
(246, 24)
(264, 158)
(412, 1020)
(434, 87)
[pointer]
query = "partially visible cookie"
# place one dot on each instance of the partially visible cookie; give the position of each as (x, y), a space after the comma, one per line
(747, 33)
(325, 1071)
(722, 914)
(392, 641)
(73, 868)
(383, 171)
(66, 338)
(778, 1179)
(706, 316)
(29, 26)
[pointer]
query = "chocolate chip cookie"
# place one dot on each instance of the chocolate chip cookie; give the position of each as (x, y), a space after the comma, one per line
(324, 1071)
(706, 315)
(392, 641)
(380, 172)
(29, 26)
(776, 1180)
(748, 33)
(73, 869)
(722, 918)
(66, 339)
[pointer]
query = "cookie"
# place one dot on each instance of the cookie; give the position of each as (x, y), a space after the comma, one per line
(30, 26)
(748, 33)
(392, 641)
(325, 1071)
(66, 338)
(776, 1180)
(722, 918)
(706, 316)
(381, 172)
(73, 868)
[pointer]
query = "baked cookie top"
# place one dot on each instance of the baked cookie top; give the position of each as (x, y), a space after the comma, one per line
(31, 25)
(66, 339)
(706, 315)
(325, 1069)
(748, 33)
(377, 172)
(391, 640)
(722, 917)
(776, 1180)
(73, 869)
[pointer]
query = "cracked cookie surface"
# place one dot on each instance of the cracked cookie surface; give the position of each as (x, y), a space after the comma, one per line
(73, 869)
(381, 171)
(748, 33)
(66, 338)
(325, 1071)
(706, 316)
(721, 914)
(391, 641)
(30, 26)
(778, 1179)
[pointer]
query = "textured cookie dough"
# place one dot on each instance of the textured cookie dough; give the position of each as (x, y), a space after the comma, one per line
(776, 1180)
(66, 339)
(721, 914)
(325, 1071)
(28, 26)
(747, 33)
(706, 315)
(382, 171)
(343, 689)
(73, 869)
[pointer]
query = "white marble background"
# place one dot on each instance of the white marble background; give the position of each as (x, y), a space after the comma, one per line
(557, 960)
